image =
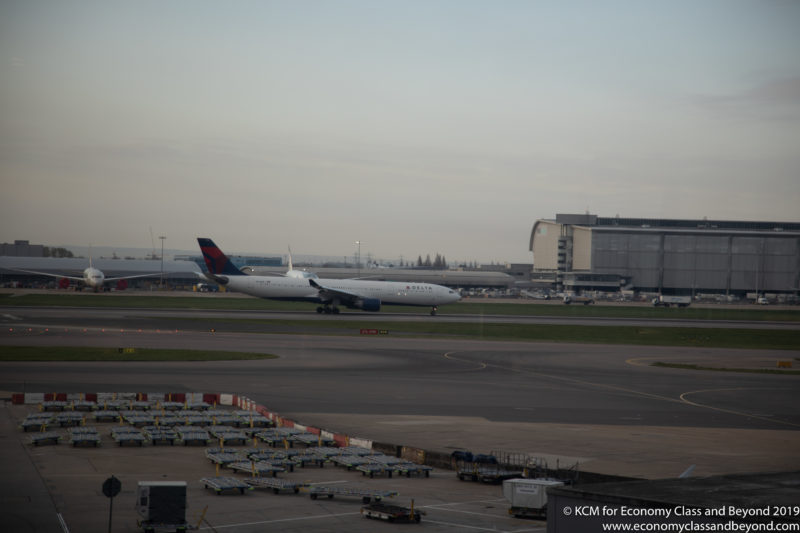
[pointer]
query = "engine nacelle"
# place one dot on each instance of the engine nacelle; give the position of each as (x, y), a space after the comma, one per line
(368, 304)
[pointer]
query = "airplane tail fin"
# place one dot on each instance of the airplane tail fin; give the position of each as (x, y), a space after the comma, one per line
(216, 261)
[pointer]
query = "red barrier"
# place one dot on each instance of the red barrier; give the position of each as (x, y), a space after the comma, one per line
(55, 397)
(211, 399)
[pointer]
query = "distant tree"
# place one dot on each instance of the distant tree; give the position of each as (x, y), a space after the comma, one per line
(419, 261)
(428, 260)
(56, 252)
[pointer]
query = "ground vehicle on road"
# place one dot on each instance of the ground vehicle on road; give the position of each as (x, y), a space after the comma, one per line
(666, 301)
(571, 299)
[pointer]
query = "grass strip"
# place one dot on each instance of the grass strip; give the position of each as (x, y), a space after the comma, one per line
(461, 308)
(687, 366)
(64, 353)
(648, 336)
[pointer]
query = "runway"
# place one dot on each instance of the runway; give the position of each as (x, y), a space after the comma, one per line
(122, 317)
(604, 406)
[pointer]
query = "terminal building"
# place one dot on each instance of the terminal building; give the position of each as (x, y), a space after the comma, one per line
(583, 252)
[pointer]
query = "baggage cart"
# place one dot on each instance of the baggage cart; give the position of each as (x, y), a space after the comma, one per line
(276, 485)
(366, 495)
(391, 513)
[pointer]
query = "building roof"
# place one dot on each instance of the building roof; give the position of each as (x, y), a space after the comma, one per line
(664, 223)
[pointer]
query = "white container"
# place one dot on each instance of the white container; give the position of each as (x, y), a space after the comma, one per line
(528, 496)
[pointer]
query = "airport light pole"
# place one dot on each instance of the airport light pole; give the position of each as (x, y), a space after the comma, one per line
(163, 238)
(358, 259)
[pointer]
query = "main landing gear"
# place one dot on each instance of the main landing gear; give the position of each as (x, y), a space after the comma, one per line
(328, 309)
(433, 310)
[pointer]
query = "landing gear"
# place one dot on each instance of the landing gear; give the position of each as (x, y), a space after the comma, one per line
(433, 310)
(328, 309)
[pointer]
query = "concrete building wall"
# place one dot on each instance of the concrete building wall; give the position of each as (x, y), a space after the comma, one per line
(634, 255)
(21, 249)
(581, 248)
(544, 245)
(674, 256)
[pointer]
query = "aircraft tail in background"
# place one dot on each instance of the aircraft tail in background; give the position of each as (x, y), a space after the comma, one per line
(216, 261)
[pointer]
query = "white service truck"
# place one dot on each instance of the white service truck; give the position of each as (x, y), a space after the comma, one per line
(666, 301)
(162, 505)
(528, 497)
(573, 299)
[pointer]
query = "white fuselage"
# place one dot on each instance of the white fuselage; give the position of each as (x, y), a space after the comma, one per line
(388, 292)
(93, 277)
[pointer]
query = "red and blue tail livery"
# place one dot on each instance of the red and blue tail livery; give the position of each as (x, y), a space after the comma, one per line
(216, 261)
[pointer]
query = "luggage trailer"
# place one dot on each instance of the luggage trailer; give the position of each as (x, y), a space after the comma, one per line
(276, 485)
(366, 495)
(225, 484)
(392, 513)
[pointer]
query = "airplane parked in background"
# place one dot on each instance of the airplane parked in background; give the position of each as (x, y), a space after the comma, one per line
(92, 277)
(331, 293)
(290, 273)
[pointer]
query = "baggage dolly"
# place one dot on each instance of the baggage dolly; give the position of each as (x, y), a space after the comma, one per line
(392, 513)
(366, 495)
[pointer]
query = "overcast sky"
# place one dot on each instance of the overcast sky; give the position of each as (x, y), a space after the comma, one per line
(415, 127)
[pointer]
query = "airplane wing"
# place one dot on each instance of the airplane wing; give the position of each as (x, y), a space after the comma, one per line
(80, 278)
(50, 274)
(349, 299)
(327, 293)
(151, 275)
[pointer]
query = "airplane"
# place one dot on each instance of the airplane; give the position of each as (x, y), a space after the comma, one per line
(290, 273)
(330, 293)
(92, 277)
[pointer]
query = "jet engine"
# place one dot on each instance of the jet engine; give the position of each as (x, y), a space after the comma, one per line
(367, 304)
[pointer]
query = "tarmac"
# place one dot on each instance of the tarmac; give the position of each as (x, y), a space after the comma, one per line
(46, 485)
(57, 489)
(48, 482)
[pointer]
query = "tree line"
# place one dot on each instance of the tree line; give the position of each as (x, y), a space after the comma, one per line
(56, 252)
(439, 263)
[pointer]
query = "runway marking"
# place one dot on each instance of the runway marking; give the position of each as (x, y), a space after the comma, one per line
(476, 528)
(325, 516)
(471, 502)
(443, 507)
(279, 520)
(638, 361)
(63, 523)
(681, 399)
(481, 366)
(573, 380)
(731, 411)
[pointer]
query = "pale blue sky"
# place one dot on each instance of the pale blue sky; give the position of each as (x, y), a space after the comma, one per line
(414, 126)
